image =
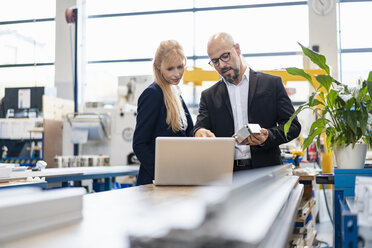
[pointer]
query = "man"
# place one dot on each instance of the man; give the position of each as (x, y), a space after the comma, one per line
(244, 96)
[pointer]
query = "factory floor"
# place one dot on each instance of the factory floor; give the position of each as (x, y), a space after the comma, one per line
(325, 234)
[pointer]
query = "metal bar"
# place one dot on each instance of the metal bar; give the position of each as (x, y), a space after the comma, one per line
(27, 21)
(26, 65)
(42, 185)
(67, 178)
(76, 92)
(289, 53)
(337, 239)
(108, 183)
(356, 50)
(231, 7)
(354, 1)
(349, 229)
(119, 60)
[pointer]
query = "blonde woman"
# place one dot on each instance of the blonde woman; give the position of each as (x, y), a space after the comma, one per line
(161, 110)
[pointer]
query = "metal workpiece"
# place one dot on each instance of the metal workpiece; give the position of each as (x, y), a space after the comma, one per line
(257, 210)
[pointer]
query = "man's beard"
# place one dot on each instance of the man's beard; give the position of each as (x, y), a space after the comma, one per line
(234, 77)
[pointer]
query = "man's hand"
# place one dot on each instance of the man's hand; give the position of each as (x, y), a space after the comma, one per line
(256, 139)
(202, 132)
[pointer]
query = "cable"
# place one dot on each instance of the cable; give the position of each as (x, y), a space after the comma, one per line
(326, 202)
(318, 243)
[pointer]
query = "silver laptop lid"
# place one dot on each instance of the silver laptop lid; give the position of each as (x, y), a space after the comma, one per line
(193, 161)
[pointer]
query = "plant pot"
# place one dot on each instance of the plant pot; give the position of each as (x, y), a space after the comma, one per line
(351, 158)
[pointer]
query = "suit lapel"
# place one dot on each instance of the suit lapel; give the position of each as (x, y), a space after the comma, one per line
(253, 80)
(224, 95)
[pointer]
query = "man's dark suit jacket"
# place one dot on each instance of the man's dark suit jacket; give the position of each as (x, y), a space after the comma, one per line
(151, 123)
(268, 105)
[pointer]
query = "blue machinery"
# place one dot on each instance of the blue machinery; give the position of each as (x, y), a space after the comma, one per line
(346, 221)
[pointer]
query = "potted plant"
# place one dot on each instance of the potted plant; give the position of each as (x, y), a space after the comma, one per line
(342, 112)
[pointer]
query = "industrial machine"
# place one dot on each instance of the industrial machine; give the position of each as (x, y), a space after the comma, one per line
(22, 124)
(107, 130)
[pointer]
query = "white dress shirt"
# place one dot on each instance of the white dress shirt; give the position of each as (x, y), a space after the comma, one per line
(239, 104)
(183, 120)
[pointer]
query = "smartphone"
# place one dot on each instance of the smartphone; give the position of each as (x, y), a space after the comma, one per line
(247, 130)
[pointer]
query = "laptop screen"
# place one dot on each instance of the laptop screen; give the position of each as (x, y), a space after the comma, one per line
(193, 161)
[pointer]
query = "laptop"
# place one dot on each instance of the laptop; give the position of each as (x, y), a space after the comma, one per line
(194, 161)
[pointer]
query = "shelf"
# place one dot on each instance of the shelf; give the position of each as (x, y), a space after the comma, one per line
(36, 130)
(34, 148)
(306, 209)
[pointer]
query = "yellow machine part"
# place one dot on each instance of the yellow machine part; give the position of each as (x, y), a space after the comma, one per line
(198, 76)
(297, 153)
(288, 77)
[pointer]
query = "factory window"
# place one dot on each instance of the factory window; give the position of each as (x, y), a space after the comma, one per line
(97, 7)
(355, 40)
(203, 3)
(27, 43)
(134, 32)
(255, 28)
(131, 37)
(12, 10)
(355, 66)
(120, 32)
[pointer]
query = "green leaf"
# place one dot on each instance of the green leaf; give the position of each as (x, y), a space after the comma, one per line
(369, 86)
(331, 98)
(313, 101)
(363, 121)
(325, 81)
(311, 137)
(321, 95)
(370, 76)
(316, 102)
(362, 93)
(351, 121)
(317, 124)
(316, 58)
(330, 132)
(350, 103)
(320, 123)
(289, 122)
(299, 72)
(345, 98)
(312, 97)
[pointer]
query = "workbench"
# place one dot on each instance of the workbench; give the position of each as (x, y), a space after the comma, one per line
(258, 208)
(107, 218)
(77, 174)
(22, 183)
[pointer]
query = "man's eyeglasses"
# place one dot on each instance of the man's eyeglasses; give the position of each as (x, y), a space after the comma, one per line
(225, 57)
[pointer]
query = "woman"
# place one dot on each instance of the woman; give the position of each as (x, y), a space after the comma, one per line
(161, 110)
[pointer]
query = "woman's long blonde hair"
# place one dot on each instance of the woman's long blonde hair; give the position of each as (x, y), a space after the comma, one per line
(167, 52)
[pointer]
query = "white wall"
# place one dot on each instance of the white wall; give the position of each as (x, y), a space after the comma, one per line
(323, 32)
